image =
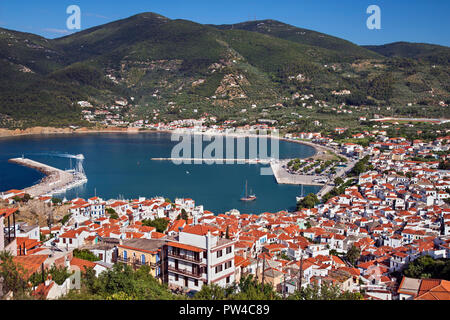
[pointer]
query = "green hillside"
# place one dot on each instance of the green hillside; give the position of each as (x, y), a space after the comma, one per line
(346, 50)
(423, 51)
(170, 69)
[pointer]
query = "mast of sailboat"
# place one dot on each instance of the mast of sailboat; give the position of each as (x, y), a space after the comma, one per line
(246, 193)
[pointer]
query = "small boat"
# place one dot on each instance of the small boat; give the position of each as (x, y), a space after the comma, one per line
(248, 197)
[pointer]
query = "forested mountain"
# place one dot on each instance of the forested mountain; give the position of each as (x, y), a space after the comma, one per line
(167, 69)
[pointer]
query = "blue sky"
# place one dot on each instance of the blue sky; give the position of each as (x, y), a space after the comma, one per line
(401, 20)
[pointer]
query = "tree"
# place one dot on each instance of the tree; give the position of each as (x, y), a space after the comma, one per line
(159, 223)
(121, 283)
(427, 267)
(56, 201)
(211, 292)
(353, 254)
(112, 213)
(338, 181)
(11, 275)
(184, 215)
(59, 275)
(85, 255)
(324, 292)
(66, 218)
(308, 202)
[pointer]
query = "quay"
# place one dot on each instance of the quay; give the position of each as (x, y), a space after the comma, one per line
(55, 181)
(284, 177)
(215, 160)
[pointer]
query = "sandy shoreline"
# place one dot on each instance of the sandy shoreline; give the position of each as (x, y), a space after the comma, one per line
(6, 133)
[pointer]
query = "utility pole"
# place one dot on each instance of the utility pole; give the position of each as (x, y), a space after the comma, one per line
(257, 268)
(300, 274)
(264, 267)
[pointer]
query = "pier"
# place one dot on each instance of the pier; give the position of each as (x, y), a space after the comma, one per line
(215, 160)
(55, 181)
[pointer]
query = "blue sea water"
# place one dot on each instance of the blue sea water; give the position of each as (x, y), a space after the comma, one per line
(120, 165)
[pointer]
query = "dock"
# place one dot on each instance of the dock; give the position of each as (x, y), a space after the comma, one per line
(284, 177)
(55, 180)
(215, 160)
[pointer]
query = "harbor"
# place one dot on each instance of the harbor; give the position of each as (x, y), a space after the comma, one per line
(56, 181)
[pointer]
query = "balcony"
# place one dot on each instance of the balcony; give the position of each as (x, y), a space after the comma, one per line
(136, 262)
(185, 257)
(9, 235)
(185, 272)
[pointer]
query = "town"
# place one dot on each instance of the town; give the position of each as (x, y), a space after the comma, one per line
(390, 210)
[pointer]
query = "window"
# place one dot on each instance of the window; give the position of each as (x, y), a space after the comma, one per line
(219, 268)
(196, 282)
(219, 253)
(228, 250)
(176, 277)
(100, 255)
(228, 279)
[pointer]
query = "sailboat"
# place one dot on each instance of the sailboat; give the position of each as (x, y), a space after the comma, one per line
(248, 197)
(301, 196)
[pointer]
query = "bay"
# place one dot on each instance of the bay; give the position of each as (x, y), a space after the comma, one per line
(119, 166)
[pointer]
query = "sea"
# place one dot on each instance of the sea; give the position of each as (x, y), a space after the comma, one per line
(119, 166)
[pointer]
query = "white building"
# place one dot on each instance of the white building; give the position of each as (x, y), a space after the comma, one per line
(199, 256)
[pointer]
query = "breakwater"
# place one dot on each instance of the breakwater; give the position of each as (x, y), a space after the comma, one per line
(55, 180)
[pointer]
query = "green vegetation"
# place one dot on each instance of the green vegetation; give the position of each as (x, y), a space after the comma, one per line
(42, 80)
(338, 181)
(247, 289)
(338, 190)
(56, 201)
(183, 215)
(59, 275)
(325, 292)
(353, 254)
(444, 165)
(159, 223)
(427, 267)
(120, 283)
(112, 213)
(25, 198)
(308, 202)
(12, 275)
(361, 166)
(85, 255)
(66, 218)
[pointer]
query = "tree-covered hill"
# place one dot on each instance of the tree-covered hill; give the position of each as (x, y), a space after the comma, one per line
(169, 69)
